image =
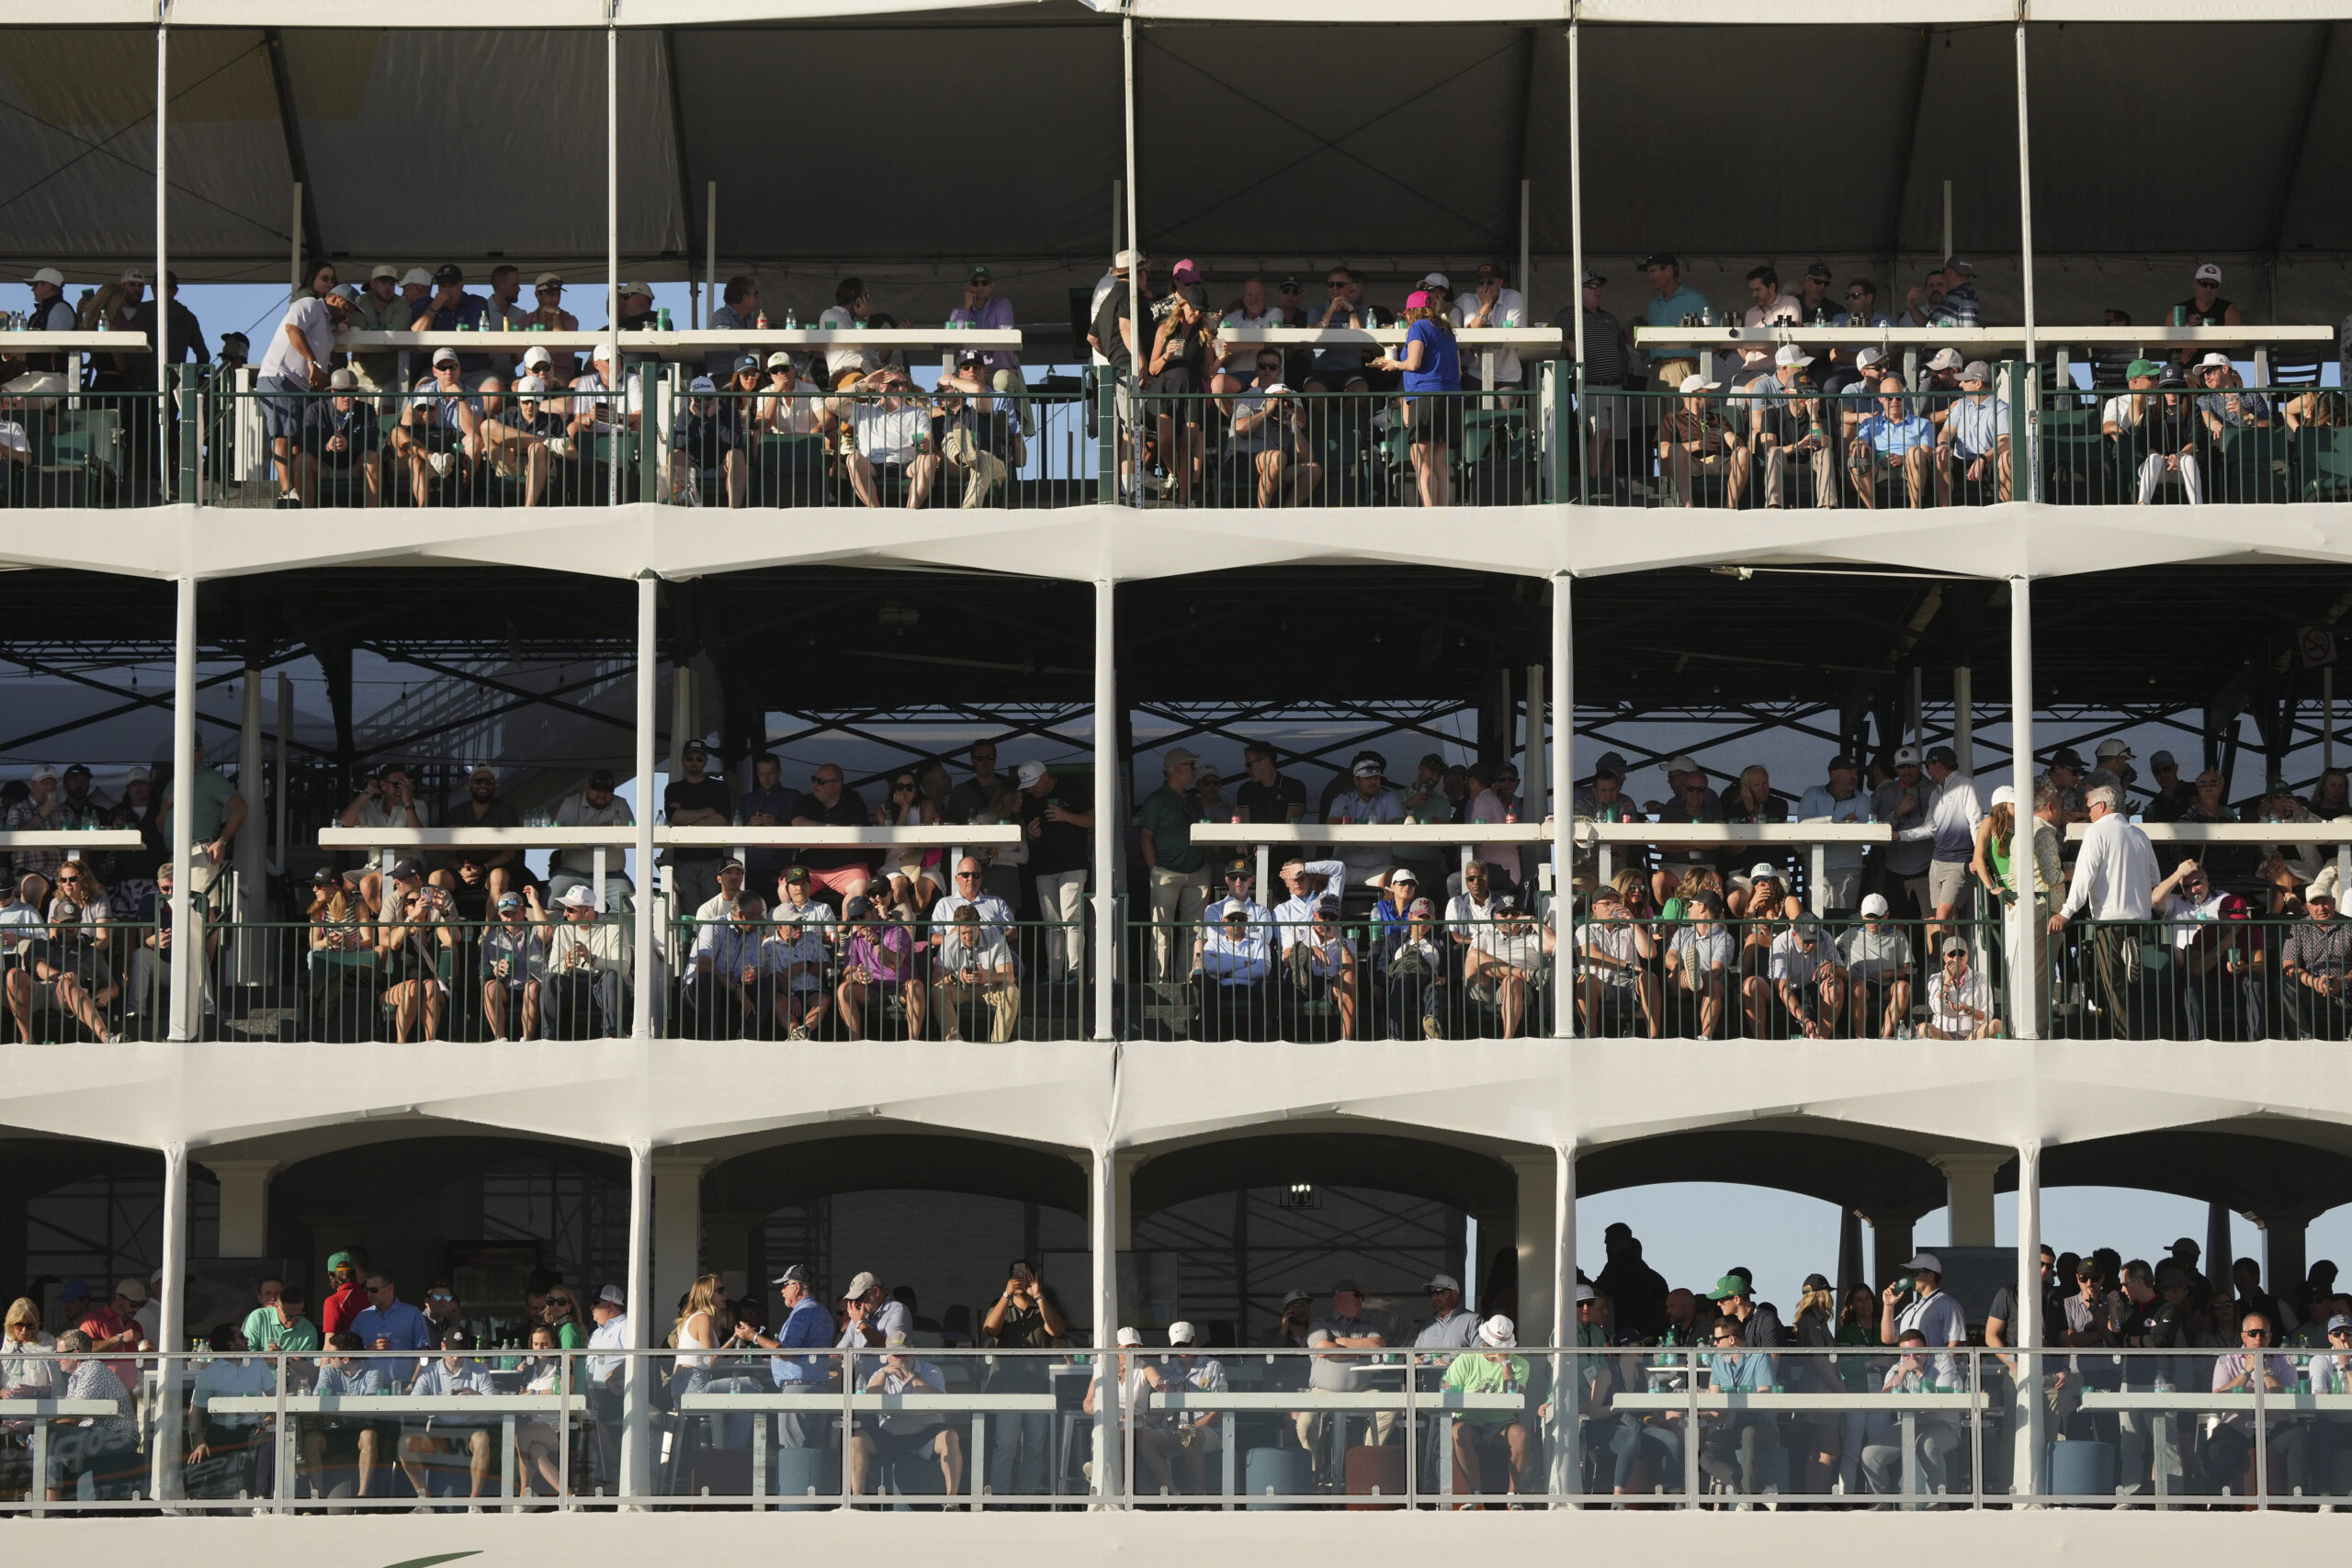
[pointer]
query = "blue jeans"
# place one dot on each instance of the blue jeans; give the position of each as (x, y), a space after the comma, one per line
(1020, 1448)
(1626, 1444)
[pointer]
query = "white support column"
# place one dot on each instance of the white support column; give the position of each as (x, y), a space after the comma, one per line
(244, 1204)
(251, 851)
(166, 469)
(1568, 1382)
(1563, 792)
(2027, 983)
(2030, 458)
(1538, 1232)
(648, 955)
(1964, 719)
(185, 972)
(1968, 1198)
(636, 1437)
(1102, 1237)
(171, 1327)
(2027, 1332)
(1135, 242)
(1107, 824)
(677, 1228)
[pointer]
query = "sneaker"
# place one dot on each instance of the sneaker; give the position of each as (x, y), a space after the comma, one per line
(954, 1035)
(287, 498)
(798, 1033)
(1431, 1027)
(442, 463)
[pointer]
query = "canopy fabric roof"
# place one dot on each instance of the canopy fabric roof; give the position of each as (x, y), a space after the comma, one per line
(901, 146)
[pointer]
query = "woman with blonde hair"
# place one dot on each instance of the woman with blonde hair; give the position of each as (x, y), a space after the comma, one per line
(1176, 369)
(1432, 365)
(25, 1371)
(706, 1323)
(1817, 1329)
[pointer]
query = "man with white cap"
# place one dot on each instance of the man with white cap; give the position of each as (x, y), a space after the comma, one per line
(1787, 421)
(1902, 802)
(2205, 307)
(1917, 1298)
(1178, 867)
(2225, 405)
(1450, 1325)
(1369, 803)
(436, 433)
(1197, 1433)
(381, 309)
(2114, 873)
(1493, 1366)
(1974, 444)
(51, 313)
(586, 958)
(594, 395)
(1695, 444)
(1875, 957)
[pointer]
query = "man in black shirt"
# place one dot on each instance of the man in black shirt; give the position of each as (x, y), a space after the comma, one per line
(1061, 833)
(830, 803)
(1268, 795)
(1636, 1287)
(2154, 1319)
(474, 875)
(1113, 333)
(696, 799)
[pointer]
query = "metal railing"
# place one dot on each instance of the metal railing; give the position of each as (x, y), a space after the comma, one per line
(518, 1427)
(1259, 448)
(2185, 445)
(811, 447)
(97, 450)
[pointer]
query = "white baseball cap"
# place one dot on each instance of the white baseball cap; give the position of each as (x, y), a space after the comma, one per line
(1180, 1333)
(1130, 1337)
(1874, 904)
(2215, 361)
(1945, 359)
(50, 275)
(1437, 280)
(538, 356)
(1791, 354)
(416, 275)
(2209, 273)
(1906, 756)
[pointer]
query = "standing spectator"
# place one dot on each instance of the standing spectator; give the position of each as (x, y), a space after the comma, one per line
(1958, 307)
(1268, 795)
(1061, 844)
(381, 309)
(1024, 1317)
(767, 803)
(979, 793)
(697, 799)
(387, 1323)
(1638, 1290)
(740, 313)
(1609, 357)
(502, 311)
(1493, 302)
(1952, 816)
(594, 806)
(1370, 803)
(51, 313)
(1178, 867)
(1674, 303)
(297, 364)
(1768, 307)
(1732, 1449)
(2205, 307)
(2114, 873)
(983, 308)
(1903, 803)
(546, 290)
(830, 804)
(1839, 801)
(451, 308)
(846, 367)
(1432, 366)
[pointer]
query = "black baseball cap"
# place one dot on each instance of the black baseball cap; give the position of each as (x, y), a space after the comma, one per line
(1944, 754)
(448, 272)
(601, 779)
(1660, 258)
(2067, 757)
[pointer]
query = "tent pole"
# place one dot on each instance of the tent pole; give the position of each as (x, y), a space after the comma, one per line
(1135, 242)
(294, 261)
(1576, 203)
(1119, 215)
(613, 383)
(711, 254)
(163, 458)
(2025, 197)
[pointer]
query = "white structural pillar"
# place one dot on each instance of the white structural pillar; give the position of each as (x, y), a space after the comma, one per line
(251, 851)
(2027, 979)
(1968, 1197)
(1964, 719)
(677, 1230)
(1568, 1381)
(170, 1332)
(636, 1434)
(244, 1204)
(2027, 1331)
(1107, 821)
(1102, 1228)
(648, 955)
(1537, 1240)
(185, 971)
(1563, 795)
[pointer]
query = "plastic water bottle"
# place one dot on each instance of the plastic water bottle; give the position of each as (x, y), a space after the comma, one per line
(791, 321)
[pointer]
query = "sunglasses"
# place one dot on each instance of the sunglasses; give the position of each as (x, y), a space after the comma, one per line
(1855, 294)
(1334, 283)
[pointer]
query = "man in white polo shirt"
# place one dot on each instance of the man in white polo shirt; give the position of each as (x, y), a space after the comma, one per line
(2114, 876)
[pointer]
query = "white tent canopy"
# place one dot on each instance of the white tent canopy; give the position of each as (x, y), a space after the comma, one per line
(904, 143)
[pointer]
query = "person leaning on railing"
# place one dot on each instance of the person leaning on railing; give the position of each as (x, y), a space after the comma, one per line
(2313, 969)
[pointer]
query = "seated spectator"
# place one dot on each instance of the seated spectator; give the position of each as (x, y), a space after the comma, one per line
(2313, 969)
(450, 1375)
(907, 1434)
(1492, 1366)
(593, 399)
(1234, 956)
(1876, 958)
(891, 429)
(1513, 965)
(1973, 444)
(437, 428)
(1409, 960)
(410, 945)
(586, 965)
(2155, 431)
(506, 443)
(2225, 406)
(104, 1448)
(1250, 312)
(1787, 421)
(343, 439)
(801, 958)
(1195, 1434)
(1268, 445)
(1695, 444)
(1800, 992)
(1939, 1436)
(511, 969)
(1960, 1003)
(1893, 441)
(219, 1462)
(1699, 962)
(830, 803)
(972, 966)
(1615, 979)
(1335, 367)
(68, 973)
(1326, 969)
(976, 439)
(731, 991)
(2205, 307)
(1767, 308)
(878, 960)
(2231, 1444)
(789, 405)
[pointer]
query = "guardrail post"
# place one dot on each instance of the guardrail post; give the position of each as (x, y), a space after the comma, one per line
(2025, 1473)
(1106, 438)
(164, 1454)
(187, 427)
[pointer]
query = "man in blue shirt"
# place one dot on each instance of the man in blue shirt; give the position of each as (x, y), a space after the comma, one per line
(450, 308)
(1894, 440)
(387, 1322)
(1974, 443)
(1673, 302)
(1235, 958)
(1735, 1369)
(807, 1327)
(767, 803)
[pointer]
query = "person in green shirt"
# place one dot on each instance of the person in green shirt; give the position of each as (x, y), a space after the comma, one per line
(1491, 1367)
(1179, 868)
(279, 1323)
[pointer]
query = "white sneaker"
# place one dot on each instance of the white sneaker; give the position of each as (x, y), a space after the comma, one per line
(442, 463)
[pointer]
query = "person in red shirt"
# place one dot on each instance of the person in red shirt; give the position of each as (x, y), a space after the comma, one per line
(114, 1327)
(347, 1300)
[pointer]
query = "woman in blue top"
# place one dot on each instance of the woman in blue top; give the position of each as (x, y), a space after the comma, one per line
(1432, 367)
